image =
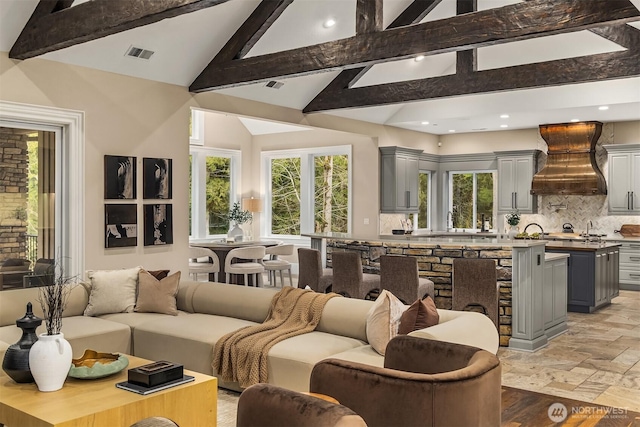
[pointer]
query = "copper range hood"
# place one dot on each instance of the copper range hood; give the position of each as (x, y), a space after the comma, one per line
(571, 160)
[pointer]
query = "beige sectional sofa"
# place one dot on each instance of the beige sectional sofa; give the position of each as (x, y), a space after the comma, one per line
(207, 311)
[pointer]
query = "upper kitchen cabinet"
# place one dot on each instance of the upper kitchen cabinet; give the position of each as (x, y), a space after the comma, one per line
(624, 179)
(515, 172)
(399, 179)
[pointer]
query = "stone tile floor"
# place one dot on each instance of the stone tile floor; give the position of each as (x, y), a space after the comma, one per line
(597, 360)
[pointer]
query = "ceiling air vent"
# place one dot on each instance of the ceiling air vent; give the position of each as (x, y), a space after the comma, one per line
(274, 84)
(138, 52)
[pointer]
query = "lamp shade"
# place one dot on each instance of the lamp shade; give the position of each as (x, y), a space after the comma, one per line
(252, 204)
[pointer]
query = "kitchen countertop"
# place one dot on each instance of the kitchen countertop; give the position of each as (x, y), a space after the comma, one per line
(580, 246)
(431, 240)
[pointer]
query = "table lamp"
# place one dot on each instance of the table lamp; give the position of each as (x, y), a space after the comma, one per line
(254, 206)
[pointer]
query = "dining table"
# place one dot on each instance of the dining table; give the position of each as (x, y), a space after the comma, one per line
(222, 247)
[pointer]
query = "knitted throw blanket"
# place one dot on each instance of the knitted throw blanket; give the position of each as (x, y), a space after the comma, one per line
(241, 356)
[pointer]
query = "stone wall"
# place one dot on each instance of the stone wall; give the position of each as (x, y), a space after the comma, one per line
(13, 193)
(435, 262)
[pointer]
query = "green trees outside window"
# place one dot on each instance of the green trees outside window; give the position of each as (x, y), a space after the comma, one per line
(285, 196)
(330, 198)
(471, 196)
(218, 183)
(423, 198)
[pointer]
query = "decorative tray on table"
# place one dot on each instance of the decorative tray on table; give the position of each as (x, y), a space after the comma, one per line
(94, 365)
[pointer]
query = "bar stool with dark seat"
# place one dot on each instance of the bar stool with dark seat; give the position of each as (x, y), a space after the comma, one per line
(399, 275)
(310, 271)
(475, 283)
(348, 278)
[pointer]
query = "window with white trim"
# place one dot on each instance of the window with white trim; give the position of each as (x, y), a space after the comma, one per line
(215, 175)
(307, 190)
(472, 195)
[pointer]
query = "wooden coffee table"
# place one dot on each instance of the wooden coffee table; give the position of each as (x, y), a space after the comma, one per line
(99, 403)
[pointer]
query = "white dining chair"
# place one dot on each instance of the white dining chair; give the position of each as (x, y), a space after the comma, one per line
(198, 264)
(275, 264)
(251, 263)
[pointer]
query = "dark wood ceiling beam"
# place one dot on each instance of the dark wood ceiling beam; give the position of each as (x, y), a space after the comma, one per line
(94, 20)
(519, 21)
(414, 13)
(251, 30)
(621, 34)
(605, 66)
(466, 60)
(368, 16)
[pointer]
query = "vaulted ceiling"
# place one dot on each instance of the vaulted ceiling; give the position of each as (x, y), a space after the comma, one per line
(429, 65)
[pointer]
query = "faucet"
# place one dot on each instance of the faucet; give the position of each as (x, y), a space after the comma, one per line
(589, 226)
(449, 220)
(537, 225)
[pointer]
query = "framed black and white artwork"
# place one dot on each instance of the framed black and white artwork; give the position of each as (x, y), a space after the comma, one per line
(156, 178)
(158, 224)
(119, 177)
(121, 225)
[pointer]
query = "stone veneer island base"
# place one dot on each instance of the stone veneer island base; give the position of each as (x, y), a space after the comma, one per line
(520, 273)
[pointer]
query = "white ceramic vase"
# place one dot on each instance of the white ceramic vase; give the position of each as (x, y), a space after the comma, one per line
(513, 232)
(49, 361)
(236, 233)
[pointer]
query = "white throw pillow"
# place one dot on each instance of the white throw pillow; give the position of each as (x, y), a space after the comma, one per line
(383, 320)
(112, 291)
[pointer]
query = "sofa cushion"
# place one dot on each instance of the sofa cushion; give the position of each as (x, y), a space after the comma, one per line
(13, 303)
(188, 339)
(112, 291)
(157, 296)
(241, 302)
(290, 361)
(383, 320)
(421, 314)
(346, 317)
(83, 333)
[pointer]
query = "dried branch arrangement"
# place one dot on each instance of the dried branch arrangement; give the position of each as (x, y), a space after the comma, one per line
(53, 298)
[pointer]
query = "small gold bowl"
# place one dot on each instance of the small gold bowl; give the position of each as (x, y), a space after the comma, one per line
(97, 365)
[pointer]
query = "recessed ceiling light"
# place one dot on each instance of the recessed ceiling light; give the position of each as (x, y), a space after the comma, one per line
(504, 126)
(329, 23)
(424, 123)
(419, 58)
(603, 108)
(452, 130)
(575, 120)
(504, 116)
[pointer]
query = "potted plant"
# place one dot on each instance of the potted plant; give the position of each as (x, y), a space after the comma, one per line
(237, 217)
(50, 356)
(513, 219)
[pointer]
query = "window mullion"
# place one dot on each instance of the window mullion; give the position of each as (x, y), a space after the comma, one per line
(307, 174)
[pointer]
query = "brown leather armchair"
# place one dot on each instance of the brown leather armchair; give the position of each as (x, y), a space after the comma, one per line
(266, 405)
(423, 383)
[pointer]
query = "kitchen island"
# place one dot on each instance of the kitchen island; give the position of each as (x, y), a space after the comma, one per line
(519, 265)
(593, 273)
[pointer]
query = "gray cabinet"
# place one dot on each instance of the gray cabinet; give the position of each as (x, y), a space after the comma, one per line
(554, 294)
(399, 179)
(624, 179)
(592, 280)
(515, 172)
(629, 260)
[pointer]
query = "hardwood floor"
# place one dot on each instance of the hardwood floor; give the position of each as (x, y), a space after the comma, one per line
(522, 408)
